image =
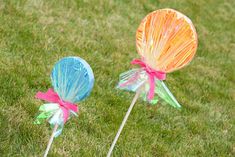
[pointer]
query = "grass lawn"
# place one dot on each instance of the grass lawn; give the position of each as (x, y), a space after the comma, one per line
(34, 34)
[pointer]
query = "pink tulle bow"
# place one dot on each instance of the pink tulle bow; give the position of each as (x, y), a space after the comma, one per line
(152, 74)
(53, 97)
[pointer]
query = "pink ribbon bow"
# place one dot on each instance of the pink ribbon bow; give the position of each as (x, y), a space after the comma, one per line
(152, 74)
(53, 97)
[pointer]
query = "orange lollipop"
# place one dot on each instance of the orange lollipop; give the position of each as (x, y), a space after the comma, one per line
(166, 41)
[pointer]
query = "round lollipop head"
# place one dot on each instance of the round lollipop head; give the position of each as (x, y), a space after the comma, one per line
(72, 79)
(166, 40)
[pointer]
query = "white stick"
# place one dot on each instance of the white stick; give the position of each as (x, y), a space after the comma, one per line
(124, 120)
(51, 140)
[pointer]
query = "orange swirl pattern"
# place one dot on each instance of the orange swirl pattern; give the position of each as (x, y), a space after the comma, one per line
(167, 40)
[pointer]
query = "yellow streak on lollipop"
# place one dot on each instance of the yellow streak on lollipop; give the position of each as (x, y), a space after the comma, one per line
(167, 40)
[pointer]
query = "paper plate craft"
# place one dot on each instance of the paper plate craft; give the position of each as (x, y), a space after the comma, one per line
(166, 41)
(72, 80)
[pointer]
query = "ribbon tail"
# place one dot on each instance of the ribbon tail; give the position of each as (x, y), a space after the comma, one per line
(71, 107)
(65, 114)
(152, 87)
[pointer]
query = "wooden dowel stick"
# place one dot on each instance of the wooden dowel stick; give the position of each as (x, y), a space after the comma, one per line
(51, 140)
(124, 120)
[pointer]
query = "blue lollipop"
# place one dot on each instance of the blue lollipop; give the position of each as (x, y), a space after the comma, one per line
(72, 80)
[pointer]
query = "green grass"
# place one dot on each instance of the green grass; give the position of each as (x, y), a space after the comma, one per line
(34, 34)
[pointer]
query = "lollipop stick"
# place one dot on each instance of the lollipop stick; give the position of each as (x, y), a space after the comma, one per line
(124, 120)
(51, 140)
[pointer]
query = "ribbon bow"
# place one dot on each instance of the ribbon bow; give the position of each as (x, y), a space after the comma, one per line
(53, 97)
(152, 74)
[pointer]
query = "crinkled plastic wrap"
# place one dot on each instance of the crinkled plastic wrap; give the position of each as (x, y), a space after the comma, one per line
(133, 79)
